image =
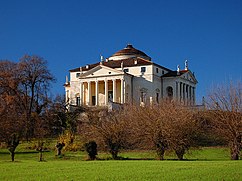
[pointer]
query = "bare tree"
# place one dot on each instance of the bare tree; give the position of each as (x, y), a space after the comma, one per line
(35, 82)
(110, 130)
(147, 128)
(181, 128)
(224, 110)
(164, 126)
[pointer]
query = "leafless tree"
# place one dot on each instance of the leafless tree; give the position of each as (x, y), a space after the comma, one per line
(147, 128)
(224, 110)
(181, 128)
(35, 82)
(168, 125)
(110, 130)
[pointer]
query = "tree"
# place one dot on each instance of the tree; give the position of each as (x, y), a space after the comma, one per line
(181, 128)
(11, 118)
(42, 132)
(224, 110)
(91, 149)
(168, 125)
(12, 144)
(147, 127)
(59, 146)
(110, 130)
(35, 83)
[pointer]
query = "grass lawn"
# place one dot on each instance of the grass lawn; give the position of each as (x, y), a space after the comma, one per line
(204, 164)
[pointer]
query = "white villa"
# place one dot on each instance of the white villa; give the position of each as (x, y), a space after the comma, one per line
(129, 76)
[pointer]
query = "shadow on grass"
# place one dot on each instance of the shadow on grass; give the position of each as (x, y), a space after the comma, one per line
(155, 159)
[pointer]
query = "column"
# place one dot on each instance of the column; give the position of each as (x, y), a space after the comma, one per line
(187, 91)
(81, 93)
(194, 96)
(122, 91)
(96, 93)
(184, 93)
(106, 92)
(190, 95)
(181, 92)
(178, 91)
(89, 94)
(67, 96)
(114, 90)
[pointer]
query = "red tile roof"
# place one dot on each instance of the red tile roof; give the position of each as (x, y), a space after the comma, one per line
(129, 50)
(116, 64)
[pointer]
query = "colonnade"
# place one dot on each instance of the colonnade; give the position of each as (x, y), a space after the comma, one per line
(112, 87)
(185, 93)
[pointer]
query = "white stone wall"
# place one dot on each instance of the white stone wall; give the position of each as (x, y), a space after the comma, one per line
(149, 82)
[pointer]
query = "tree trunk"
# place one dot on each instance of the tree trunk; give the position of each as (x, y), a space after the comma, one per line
(58, 152)
(160, 152)
(180, 153)
(12, 155)
(40, 156)
(114, 155)
(235, 149)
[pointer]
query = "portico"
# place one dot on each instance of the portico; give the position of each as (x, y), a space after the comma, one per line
(99, 91)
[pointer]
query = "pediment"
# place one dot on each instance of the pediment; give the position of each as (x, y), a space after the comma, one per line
(100, 71)
(189, 76)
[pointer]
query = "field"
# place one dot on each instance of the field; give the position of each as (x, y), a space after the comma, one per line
(203, 164)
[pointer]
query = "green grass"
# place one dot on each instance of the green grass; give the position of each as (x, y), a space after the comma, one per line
(203, 164)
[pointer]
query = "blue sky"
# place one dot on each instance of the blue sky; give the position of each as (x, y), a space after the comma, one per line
(73, 33)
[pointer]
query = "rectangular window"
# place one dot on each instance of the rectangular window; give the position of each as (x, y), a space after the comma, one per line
(78, 101)
(163, 72)
(157, 70)
(126, 70)
(157, 97)
(78, 75)
(142, 96)
(143, 69)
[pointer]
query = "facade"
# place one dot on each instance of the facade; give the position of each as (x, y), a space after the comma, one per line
(129, 76)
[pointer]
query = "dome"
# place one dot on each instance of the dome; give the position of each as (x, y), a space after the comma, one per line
(128, 52)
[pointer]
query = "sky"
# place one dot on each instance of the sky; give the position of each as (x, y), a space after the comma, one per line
(73, 33)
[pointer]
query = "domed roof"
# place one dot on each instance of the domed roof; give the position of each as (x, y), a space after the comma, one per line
(128, 52)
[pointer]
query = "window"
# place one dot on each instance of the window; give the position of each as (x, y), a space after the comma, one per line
(143, 69)
(169, 92)
(157, 97)
(157, 70)
(163, 72)
(78, 101)
(78, 75)
(126, 70)
(142, 96)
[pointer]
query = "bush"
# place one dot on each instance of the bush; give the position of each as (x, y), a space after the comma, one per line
(91, 149)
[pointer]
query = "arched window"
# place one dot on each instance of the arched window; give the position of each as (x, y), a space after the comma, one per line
(169, 91)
